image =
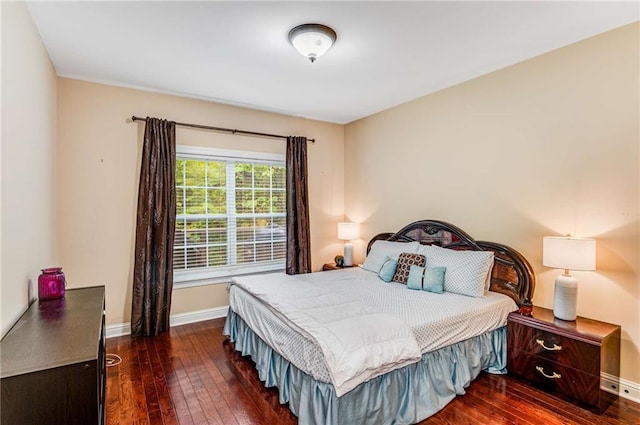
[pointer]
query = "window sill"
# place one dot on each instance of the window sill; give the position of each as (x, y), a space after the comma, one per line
(212, 277)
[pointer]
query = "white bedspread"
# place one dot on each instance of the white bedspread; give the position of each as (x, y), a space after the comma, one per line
(358, 342)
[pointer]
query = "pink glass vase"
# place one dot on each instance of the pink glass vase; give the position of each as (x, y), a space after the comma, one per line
(51, 284)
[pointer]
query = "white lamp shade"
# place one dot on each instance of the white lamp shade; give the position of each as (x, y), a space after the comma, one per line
(569, 253)
(348, 231)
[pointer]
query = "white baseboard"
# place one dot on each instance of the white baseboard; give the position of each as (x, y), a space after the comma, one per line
(625, 389)
(120, 329)
(198, 316)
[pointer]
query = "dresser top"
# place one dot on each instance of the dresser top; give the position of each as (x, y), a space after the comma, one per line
(583, 328)
(54, 333)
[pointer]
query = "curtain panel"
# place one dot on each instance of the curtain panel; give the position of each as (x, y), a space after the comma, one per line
(298, 240)
(155, 227)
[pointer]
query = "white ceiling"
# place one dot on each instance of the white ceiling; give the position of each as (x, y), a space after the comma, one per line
(237, 52)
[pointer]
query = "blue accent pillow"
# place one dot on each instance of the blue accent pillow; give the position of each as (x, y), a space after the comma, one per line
(434, 279)
(415, 277)
(388, 269)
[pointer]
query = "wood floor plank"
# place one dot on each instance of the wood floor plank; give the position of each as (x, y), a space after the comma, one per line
(148, 385)
(497, 399)
(165, 400)
(205, 396)
(234, 392)
(167, 355)
(132, 389)
(227, 391)
(192, 375)
(181, 366)
(248, 378)
(112, 394)
(490, 412)
(569, 412)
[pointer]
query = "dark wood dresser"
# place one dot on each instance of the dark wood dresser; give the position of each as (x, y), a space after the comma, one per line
(52, 362)
(564, 356)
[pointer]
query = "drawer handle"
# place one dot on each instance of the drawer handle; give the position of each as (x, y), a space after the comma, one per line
(554, 348)
(552, 376)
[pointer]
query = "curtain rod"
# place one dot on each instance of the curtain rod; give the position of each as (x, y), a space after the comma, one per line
(226, 130)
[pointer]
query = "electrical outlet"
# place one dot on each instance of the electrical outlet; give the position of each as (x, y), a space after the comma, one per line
(630, 390)
(626, 389)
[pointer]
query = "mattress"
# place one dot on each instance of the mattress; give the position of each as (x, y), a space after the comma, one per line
(437, 320)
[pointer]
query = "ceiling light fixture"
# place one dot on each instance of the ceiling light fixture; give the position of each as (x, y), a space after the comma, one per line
(312, 40)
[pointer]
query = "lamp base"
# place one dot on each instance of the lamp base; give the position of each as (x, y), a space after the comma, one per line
(348, 254)
(565, 297)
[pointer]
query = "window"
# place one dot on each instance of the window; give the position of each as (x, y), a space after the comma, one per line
(230, 213)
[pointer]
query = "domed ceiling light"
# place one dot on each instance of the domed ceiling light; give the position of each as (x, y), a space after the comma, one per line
(312, 40)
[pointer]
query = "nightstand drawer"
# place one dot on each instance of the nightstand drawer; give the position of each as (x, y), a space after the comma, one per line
(560, 349)
(557, 377)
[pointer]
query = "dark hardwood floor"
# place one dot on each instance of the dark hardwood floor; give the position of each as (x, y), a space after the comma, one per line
(192, 375)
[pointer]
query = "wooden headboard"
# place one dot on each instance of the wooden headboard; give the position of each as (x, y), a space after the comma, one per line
(512, 274)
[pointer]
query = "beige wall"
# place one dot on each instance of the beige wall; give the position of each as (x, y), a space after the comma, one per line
(28, 139)
(98, 170)
(546, 147)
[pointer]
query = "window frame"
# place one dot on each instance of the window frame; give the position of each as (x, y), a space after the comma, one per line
(199, 277)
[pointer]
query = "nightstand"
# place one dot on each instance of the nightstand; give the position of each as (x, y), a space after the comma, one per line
(565, 357)
(332, 266)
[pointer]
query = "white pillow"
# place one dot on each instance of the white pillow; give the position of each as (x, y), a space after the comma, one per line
(382, 249)
(467, 271)
(487, 283)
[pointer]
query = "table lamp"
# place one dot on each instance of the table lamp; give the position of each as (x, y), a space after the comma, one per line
(348, 232)
(568, 253)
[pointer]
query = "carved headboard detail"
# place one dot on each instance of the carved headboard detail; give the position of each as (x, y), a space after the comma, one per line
(512, 274)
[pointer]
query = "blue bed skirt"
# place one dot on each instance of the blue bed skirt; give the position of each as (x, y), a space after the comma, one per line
(404, 396)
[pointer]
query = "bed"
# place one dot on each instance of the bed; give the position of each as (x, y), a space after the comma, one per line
(347, 347)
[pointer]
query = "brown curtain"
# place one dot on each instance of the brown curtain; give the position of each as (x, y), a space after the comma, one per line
(153, 270)
(298, 244)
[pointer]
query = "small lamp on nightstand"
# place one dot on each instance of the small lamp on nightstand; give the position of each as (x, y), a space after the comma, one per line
(348, 232)
(567, 253)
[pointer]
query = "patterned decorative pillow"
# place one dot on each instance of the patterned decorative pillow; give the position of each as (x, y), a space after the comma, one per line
(405, 261)
(466, 270)
(380, 250)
